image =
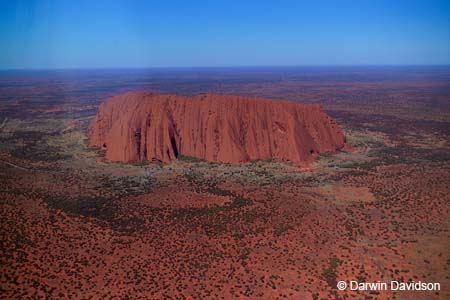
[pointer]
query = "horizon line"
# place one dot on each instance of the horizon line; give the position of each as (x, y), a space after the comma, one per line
(222, 67)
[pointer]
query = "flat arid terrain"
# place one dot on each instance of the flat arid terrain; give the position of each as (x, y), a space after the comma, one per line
(75, 225)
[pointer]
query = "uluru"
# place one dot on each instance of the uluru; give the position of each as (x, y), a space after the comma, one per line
(217, 128)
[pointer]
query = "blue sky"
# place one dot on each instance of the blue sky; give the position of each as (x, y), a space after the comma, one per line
(120, 34)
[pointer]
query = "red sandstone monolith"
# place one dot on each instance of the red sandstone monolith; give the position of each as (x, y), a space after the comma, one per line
(217, 128)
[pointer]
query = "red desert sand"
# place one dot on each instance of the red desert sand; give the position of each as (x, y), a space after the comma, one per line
(217, 128)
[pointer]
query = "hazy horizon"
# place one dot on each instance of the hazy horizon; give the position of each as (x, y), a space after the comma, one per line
(330, 66)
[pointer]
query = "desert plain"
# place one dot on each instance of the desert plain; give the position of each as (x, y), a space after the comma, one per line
(75, 225)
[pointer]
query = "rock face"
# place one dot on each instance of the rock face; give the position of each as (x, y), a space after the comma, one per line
(217, 128)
